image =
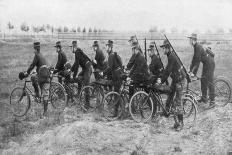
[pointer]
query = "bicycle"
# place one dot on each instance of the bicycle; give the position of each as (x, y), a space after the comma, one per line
(51, 93)
(222, 91)
(95, 93)
(112, 98)
(144, 106)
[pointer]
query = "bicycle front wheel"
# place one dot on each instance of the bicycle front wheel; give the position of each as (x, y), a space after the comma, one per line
(112, 106)
(141, 107)
(189, 111)
(91, 98)
(19, 101)
(58, 96)
(222, 91)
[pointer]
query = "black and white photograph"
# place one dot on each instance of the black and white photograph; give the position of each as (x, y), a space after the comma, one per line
(115, 77)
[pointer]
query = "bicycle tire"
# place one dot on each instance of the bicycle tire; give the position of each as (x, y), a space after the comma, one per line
(189, 117)
(134, 107)
(109, 106)
(21, 94)
(220, 93)
(57, 93)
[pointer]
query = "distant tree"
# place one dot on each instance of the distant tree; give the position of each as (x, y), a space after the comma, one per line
(24, 27)
(208, 31)
(35, 29)
(79, 29)
(10, 26)
(65, 29)
(90, 30)
(73, 30)
(174, 30)
(95, 30)
(153, 29)
(220, 30)
(84, 30)
(48, 27)
(230, 30)
(59, 29)
(162, 31)
(42, 28)
(99, 30)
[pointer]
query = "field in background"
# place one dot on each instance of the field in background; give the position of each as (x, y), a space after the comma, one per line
(17, 53)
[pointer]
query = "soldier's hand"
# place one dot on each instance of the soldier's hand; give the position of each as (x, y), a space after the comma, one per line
(191, 74)
(159, 81)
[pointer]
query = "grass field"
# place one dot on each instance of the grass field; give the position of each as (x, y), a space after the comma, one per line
(16, 56)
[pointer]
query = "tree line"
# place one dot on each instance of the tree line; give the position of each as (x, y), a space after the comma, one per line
(49, 28)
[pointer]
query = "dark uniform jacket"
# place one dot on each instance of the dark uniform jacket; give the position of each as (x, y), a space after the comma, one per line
(38, 61)
(62, 59)
(81, 59)
(200, 55)
(100, 58)
(155, 66)
(138, 67)
(173, 69)
(114, 63)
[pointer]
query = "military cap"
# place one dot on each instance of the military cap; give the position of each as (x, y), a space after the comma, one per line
(151, 46)
(132, 38)
(134, 45)
(193, 36)
(165, 43)
(95, 43)
(110, 43)
(36, 44)
(58, 44)
(73, 43)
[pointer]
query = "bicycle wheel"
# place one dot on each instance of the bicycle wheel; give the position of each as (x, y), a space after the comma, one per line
(91, 98)
(222, 91)
(73, 94)
(19, 101)
(109, 104)
(189, 111)
(58, 96)
(189, 108)
(141, 107)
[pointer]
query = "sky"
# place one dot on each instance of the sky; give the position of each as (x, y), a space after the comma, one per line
(119, 15)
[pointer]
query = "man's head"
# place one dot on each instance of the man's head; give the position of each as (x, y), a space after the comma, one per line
(166, 47)
(95, 46)
(135, 48)
(37, 47)
(193, 39)
(74, 46)
(151, 50)
(132, 40)
(58, 46)
(109, 46)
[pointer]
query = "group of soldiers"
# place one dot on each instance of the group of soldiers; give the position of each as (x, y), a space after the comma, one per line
(139, 70)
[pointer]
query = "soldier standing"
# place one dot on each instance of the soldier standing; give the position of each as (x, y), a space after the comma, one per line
(156, 66)
(175, 70)
(99, 64)
(115, 69)
(81, 59)
(201, 55)
(62, 59)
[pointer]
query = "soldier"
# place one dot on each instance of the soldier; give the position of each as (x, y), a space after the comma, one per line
(175, 70)
(134, 42)
(201, 55)
(62, 59)
(99, 64)
(115, 69)
(81, 59)
(42, 75)
(156, 65)
(138, 68)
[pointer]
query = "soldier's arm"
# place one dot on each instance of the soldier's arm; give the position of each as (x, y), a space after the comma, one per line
(33, 64)
(75, 66)
(168, 69)
(131, 62)
(58, 64)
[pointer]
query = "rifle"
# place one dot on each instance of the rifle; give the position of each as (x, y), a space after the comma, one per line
(138, 44)
(145, 48)
(188, 77)
(158, 54)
